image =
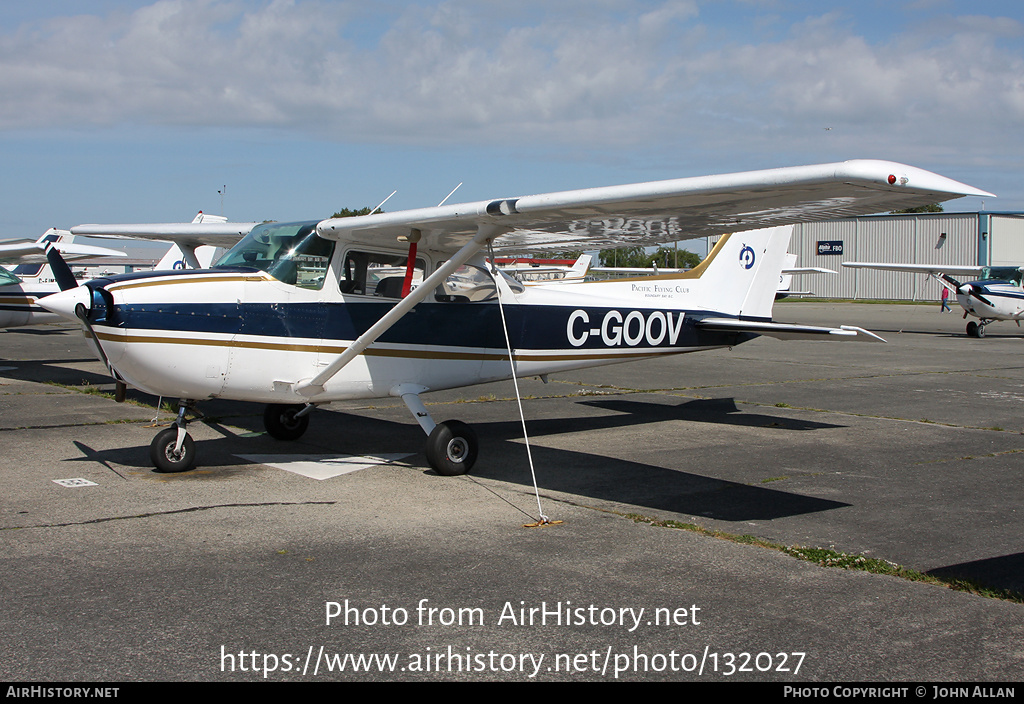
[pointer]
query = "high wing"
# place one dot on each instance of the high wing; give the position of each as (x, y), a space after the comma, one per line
(212, 230)
(185, 234)
(27, 251)
(798, 270)
(933, 269)
(661, 211)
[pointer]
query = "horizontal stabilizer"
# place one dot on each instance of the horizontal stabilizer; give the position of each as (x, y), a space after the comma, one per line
(787, 331)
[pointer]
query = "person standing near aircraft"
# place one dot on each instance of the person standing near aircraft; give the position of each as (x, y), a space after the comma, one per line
(945, 301)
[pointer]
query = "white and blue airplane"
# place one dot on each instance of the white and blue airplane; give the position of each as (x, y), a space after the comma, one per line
(997, 294)
(31, 278)
(296, 314)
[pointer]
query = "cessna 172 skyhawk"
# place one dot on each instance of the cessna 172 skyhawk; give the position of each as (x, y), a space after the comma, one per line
(996, 295)
(293, 315)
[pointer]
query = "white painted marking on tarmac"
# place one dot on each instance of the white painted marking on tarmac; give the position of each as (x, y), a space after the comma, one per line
(74, 482)
(325, 466)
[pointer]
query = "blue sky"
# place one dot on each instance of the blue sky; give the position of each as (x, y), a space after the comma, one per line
(120, 111)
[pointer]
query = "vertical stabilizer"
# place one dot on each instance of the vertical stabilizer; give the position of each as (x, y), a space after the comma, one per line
(741, 274)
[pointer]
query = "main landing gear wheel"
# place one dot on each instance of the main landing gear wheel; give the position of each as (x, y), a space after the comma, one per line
(163, 456)
(452, 448)
(975, 330)
(281, 422)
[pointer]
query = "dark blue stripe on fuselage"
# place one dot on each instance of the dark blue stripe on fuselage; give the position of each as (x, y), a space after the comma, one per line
(986, 291)
(444, 324)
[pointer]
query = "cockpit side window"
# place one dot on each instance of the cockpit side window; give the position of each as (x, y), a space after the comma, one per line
(28, 271)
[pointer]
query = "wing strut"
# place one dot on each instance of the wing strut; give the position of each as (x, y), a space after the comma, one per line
(314, 386)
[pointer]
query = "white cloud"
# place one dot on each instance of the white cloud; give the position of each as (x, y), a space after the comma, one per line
(617, 73)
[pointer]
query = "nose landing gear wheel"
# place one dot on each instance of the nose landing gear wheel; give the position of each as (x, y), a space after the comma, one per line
(163, 456)
(452, 448)
(281, 423)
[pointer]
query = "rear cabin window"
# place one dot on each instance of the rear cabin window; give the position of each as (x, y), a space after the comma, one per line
(378, 273)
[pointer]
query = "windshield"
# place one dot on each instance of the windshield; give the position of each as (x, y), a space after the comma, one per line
(1001, 273)
(7, 278)
(290, 252)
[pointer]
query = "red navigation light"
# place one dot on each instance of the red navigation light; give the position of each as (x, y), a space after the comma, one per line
(892, 180)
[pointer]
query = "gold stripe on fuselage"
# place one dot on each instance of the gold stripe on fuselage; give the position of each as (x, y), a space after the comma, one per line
(587, 354)
(164, 281)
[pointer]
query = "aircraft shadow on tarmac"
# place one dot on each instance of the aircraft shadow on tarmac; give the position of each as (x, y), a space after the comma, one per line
(42, 330)
(503, 457)
(1005, 572)
(41, 370)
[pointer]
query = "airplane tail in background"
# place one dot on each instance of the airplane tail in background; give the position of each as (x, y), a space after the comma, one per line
(176, 259)
(203, 217)
(579, 268)
(741, 274)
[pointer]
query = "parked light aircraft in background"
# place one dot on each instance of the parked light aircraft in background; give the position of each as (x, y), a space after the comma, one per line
(996, 295)
(288, 318)
(205, 231)
(789, 270)
(530, 273)
(31, 278)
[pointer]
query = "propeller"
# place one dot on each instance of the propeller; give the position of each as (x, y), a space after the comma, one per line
(972, 290)
(61, 271)
(79, 302)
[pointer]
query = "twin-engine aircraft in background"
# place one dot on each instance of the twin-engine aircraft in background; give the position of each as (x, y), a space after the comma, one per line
(996, 295)
(301, 314)
(30, 279)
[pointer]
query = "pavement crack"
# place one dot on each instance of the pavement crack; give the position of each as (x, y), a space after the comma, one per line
(151, 514)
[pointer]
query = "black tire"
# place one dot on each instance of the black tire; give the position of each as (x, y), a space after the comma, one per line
(972, 329)
(163, 457)
(281, 423)
(452, 448)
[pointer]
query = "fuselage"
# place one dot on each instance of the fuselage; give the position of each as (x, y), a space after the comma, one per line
(247, 336)
(20, 291)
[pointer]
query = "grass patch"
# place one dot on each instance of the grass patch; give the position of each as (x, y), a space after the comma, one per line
(827, 557)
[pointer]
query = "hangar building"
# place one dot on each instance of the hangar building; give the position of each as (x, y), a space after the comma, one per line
(981, 238)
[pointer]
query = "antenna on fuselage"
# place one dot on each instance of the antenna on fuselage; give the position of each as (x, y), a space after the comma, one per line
(383, 202)
(450, 194)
